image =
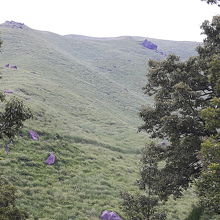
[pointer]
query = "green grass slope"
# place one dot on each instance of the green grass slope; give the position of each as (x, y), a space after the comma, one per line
(85, 94)
(91, 86)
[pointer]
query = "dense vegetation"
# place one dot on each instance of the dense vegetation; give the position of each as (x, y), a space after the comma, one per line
(8, 209)
(186, 115)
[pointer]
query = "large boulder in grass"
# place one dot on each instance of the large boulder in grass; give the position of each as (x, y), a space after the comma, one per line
(109, 215)
(34, 135)
(14, 67)
(14, 24)
(51, 159)
(8, 91)
(149, 45)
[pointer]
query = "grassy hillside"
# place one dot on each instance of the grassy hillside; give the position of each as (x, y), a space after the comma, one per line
(85, 94)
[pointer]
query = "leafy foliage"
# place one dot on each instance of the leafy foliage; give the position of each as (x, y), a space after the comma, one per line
(176, 117)
(209, 182)
(12, 118)
(141, 207)
(186, 112)
(144, 206)
(8, 209)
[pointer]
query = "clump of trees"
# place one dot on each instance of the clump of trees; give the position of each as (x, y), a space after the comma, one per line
(186, 115)
(12, 118)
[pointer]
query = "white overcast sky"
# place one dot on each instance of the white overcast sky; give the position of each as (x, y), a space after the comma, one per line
(163, 19)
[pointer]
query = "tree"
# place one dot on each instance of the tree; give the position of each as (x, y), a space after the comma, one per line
(186, 114)
(8, 209)
(208, 185)
(12, 118)
(145, 206)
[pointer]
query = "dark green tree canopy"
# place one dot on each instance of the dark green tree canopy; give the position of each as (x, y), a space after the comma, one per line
(12, 117)
(186, 114)
(182, 89)
(8, 209)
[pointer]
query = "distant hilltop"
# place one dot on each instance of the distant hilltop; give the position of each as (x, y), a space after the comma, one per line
(14, 24)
